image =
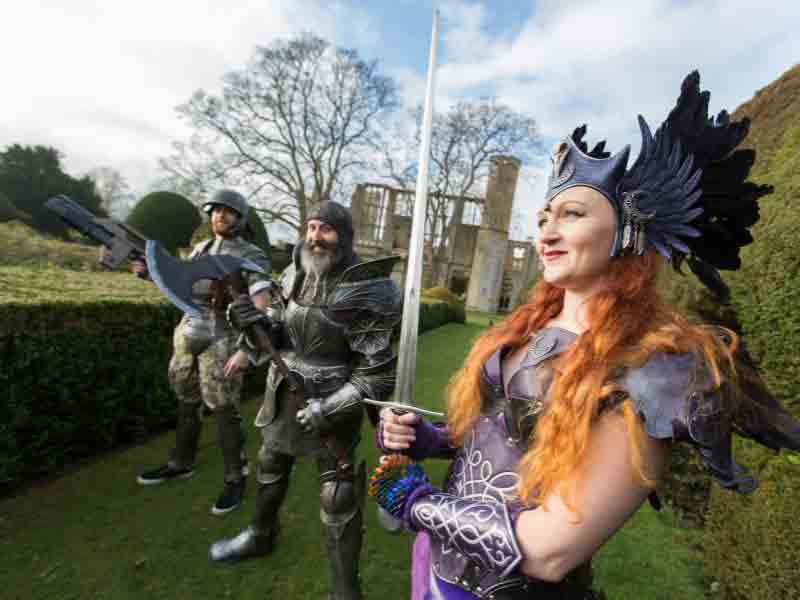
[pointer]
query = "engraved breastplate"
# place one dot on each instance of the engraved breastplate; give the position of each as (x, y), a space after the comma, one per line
(313, 337)
(485, 465)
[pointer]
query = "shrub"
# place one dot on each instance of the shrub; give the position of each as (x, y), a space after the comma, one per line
(79, 378)
(166, 217)
(751, 541)
(751, 545)
(458, 313)
(87, 370)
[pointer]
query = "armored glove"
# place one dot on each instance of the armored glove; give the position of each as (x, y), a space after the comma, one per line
(321, 414)
(242, 313)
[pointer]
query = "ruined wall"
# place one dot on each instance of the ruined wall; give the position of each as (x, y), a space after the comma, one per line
(484, 265)
(488, 264)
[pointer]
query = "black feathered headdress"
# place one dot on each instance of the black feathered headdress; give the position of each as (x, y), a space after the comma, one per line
(687, 194)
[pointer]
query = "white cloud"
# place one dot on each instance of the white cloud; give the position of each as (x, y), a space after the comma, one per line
(100, 80)
(604, 63)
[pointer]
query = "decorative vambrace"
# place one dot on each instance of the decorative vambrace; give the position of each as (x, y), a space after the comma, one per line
(483, 532)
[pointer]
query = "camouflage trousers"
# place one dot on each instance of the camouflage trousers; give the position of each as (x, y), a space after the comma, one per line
(201, 378)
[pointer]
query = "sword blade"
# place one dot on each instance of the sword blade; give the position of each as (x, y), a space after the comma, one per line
(407, 352)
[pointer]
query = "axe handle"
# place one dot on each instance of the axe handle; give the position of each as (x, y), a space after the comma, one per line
(257, 333)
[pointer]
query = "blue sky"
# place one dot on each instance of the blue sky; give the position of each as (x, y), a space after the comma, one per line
(100, 79)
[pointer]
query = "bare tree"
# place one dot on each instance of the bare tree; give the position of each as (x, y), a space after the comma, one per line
(463, 140)
(289, 128)
(114, 192)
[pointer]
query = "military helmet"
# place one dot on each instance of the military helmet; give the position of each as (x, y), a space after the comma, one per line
(233, 200)
(229, 198)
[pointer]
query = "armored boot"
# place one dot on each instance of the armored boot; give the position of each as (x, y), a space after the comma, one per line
(187, 437)
(343, 543)
(231, 440)
(342, 490)
(258, 538)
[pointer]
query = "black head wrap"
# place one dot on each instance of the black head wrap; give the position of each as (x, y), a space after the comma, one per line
(338, 217)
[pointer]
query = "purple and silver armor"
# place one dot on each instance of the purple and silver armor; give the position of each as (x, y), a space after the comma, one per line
(471, 523)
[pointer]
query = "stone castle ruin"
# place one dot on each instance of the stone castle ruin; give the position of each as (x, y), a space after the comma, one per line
(482, 263)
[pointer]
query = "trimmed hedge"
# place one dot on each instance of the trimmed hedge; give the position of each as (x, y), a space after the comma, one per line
(84, 376)
(79, 378)
(458, 312)
(435, 313)
(752, 543)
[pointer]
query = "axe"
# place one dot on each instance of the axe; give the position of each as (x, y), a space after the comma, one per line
(175, 279)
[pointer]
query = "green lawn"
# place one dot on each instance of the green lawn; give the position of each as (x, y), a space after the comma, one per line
(95, 533)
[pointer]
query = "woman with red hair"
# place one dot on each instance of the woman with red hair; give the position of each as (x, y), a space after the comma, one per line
(560, 420)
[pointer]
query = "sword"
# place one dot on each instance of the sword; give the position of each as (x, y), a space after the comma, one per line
(407, 351)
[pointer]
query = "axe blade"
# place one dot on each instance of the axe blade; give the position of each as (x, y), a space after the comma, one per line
(175, 278)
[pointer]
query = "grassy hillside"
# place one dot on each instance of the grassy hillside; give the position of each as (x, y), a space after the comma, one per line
(36, 268)
(22, 245)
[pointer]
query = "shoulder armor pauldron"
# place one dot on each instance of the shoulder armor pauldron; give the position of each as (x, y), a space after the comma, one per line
(679, 400)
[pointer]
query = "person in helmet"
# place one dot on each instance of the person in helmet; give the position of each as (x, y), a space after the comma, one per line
(206, 369)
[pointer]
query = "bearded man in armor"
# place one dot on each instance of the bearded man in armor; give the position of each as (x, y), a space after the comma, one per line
(206, 366)
(332, 320)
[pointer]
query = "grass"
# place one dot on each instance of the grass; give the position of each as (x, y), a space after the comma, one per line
(23, 245)
(95, 533)
(35, 268)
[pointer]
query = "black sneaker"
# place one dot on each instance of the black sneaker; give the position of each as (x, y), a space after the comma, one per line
(230, 498)
(162, 474)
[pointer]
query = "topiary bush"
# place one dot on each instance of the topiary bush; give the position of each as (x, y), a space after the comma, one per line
(166, 217)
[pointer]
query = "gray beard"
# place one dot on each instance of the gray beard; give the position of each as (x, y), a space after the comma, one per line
(316, 266)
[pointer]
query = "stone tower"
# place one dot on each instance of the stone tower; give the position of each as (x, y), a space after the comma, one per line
(486, 278)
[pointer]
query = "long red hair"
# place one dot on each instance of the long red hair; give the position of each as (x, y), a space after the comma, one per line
(628, 321)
